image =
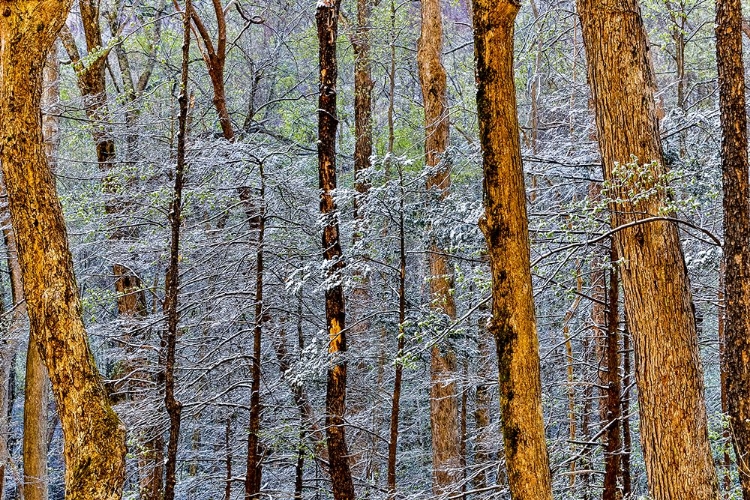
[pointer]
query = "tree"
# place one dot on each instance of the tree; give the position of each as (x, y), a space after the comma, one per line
(446, 461)
(656, 289)
(505, 228)
(94, 438)
(734, 166)
(36, 392)
(326, 18)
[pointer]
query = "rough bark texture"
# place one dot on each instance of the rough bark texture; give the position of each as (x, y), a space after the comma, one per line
(734, 164)
(94, 447)
(657, 292)
(36, 391)
(446, 456)
(326, 17)
(505, 227)
(172, 279)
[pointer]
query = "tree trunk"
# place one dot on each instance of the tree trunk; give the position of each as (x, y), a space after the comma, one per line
(483, 447)
(612, 382)
(172, 281)
(254, 465)
(505, 227)
(326, 17)
(94, 447)
(734, 165)
(400, 345)
(657, 292)
(36, 391)
(446, 459)
(626, 439)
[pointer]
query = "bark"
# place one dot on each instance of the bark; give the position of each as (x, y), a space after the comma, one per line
(613, 384)
(363, 85)
(36, 392)
(656, 289)
(626, 439)
(734, 166)
(725, 434)
(254, 466)
(326, 17)
(505, 227)
(172, 281)
(446, 457)
(400, 346)
(94, 447)
(483, 448)
(214, 55)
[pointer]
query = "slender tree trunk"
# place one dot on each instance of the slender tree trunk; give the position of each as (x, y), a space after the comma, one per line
(726, 436)
(444, 418)
(657, 292)
(627, 446)
(734, 163)
(326, 18)
(613, 410)
(401, 344)
(483, 447)
(363, 85)
(94, 438)
(172, 282)
(505, 227)
(228, 450)
(254, 465)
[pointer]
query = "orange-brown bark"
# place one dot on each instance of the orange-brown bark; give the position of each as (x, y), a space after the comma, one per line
(656, 289)
(505, 227)
(734, 165)
(326, 17)
(446, 461)
(94, 446)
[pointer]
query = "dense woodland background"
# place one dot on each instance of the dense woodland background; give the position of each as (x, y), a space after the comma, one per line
(264, 181)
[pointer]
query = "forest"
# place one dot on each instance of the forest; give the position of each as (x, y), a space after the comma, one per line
(374, 249)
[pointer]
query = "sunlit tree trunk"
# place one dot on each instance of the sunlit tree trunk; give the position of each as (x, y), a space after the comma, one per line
(505, 228)
(94, 447)
(734, 163)
(446, 459)
(326, 17)
(655, 283)
(36, 392)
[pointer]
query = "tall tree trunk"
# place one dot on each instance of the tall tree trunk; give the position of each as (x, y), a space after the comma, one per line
(401, 343)
(613, 384)
(483, 447)
(505, 227)
(36, 391)
(172, 281)
(326, 17)
(734, 166)
(94, 447)
(254, 466)
(657, 292)
(626, 439)
(446, 459)
(726, 436)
